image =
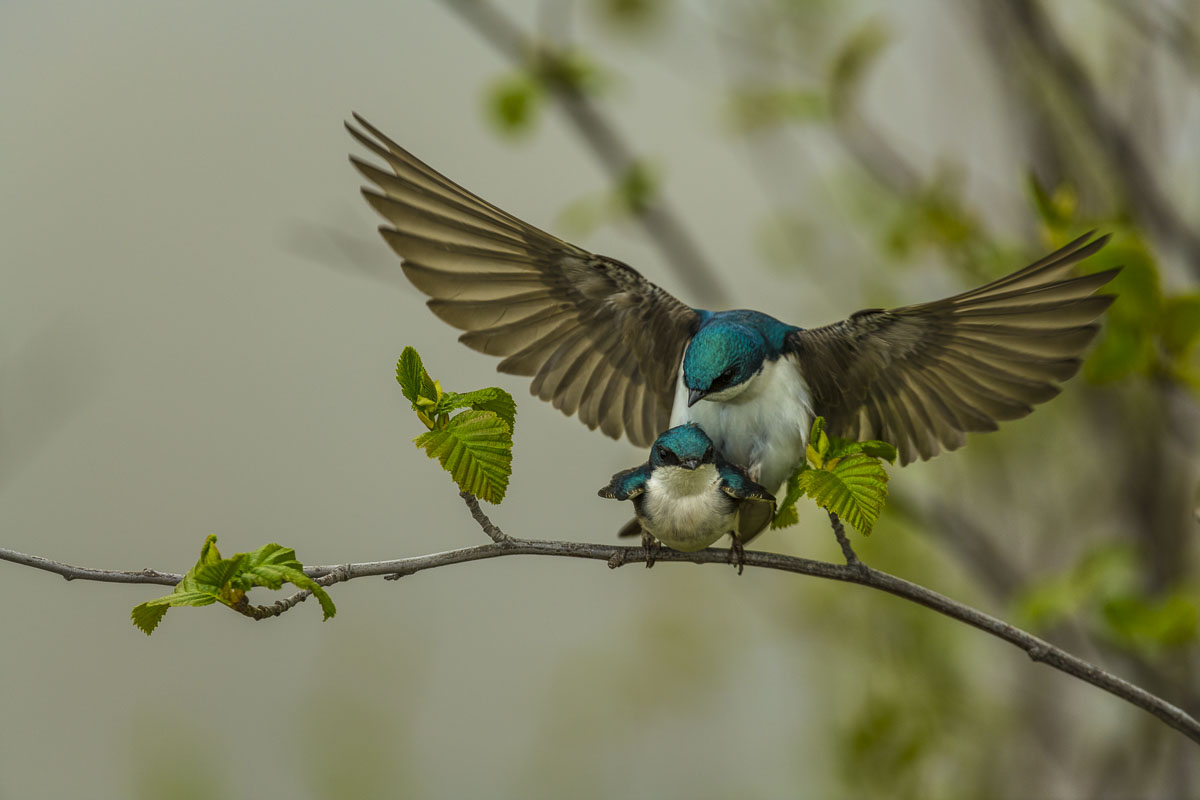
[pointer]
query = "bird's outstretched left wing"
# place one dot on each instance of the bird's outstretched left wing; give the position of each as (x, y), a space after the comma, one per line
(627, 484)
(597, 337)
(923, 376)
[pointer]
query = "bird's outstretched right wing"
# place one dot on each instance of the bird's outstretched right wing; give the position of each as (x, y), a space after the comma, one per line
(923, 376)
(597, 337)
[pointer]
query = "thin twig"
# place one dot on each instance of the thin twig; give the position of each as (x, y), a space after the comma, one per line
(338, 575)
(661, 224)
(495, 534)
(847, 551)
(1037, 649)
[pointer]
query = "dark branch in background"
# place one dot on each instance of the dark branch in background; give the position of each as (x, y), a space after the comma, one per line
(853, 572)
(656, 217)
(1140, 189)
(995, 571)
(1160, 24)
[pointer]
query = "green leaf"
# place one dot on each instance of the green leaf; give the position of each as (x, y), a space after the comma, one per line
(842, 476)
(1056, 208)
(818, 444)
(573, 70)
(754, 108)
(636, 188)
(413, 379)
(853, 487)
(475, 447)
(785, 513)
(492, 399)
(853, 59)
(840, 448)
(631, 16)
(513, 103)
(1127, 341)
(272, 566)
(146, 616)
(1181, 324)
(226, 580)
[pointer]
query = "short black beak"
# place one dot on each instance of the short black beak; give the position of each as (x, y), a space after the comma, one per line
(690, 463)
(694, 395)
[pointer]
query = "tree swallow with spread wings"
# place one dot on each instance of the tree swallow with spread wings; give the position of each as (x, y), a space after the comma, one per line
(687, 496)
(603, 342)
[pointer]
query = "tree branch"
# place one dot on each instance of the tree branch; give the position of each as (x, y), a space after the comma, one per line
(614, 153)
(1147, 199)
(504, 545)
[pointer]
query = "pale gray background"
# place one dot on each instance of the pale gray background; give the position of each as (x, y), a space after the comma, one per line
(189, 345)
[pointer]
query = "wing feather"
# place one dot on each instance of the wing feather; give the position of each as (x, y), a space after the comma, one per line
(597, 338)
(923, 376)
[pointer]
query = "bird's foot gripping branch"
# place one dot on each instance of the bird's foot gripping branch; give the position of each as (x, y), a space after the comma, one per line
(845, 478)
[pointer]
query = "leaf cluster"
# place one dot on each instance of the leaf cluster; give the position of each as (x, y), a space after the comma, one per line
(474, 445)
(1105, 589)
(1148, 330)
(227, 581)
(514, 102)
(842, 476)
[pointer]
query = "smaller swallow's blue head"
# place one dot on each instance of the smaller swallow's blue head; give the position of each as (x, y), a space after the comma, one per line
(722, 355)
(682, 446)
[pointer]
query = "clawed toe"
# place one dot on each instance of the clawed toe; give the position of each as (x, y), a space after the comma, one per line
(651, 546)
(737, 554)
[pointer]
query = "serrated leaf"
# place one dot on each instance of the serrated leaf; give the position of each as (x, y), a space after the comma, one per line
(854, 488)
(414, 381)
(272, 566)
(840, 448)
(146, 617)
(226, 580)
(785, 513)
(491, 399)
(880, 449)
(475, 447)
(818, 444)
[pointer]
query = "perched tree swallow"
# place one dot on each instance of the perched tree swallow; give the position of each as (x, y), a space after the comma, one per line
(688, 496)
(602, 341)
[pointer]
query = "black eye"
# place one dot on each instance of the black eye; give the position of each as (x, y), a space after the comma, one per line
(726, 376)
(708, 454)
(667, 456)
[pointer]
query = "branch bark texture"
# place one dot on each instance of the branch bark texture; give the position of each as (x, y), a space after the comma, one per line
(503, 545)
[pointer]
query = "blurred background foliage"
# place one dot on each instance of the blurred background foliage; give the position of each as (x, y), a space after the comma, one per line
(1016, 125)
(1088, 121)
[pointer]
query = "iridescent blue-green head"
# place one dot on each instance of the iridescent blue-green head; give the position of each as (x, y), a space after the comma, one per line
(682, 446)
(720, 358)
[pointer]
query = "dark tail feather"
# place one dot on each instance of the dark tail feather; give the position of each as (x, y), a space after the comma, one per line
(631, 528)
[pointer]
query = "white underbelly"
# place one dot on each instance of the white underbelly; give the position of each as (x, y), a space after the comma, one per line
(690, 512)
(764, 429)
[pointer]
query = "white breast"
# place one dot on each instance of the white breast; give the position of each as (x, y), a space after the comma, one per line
(686, 509)
(764, 429)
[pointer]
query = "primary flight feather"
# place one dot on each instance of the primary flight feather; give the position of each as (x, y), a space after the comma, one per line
(601, 341)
